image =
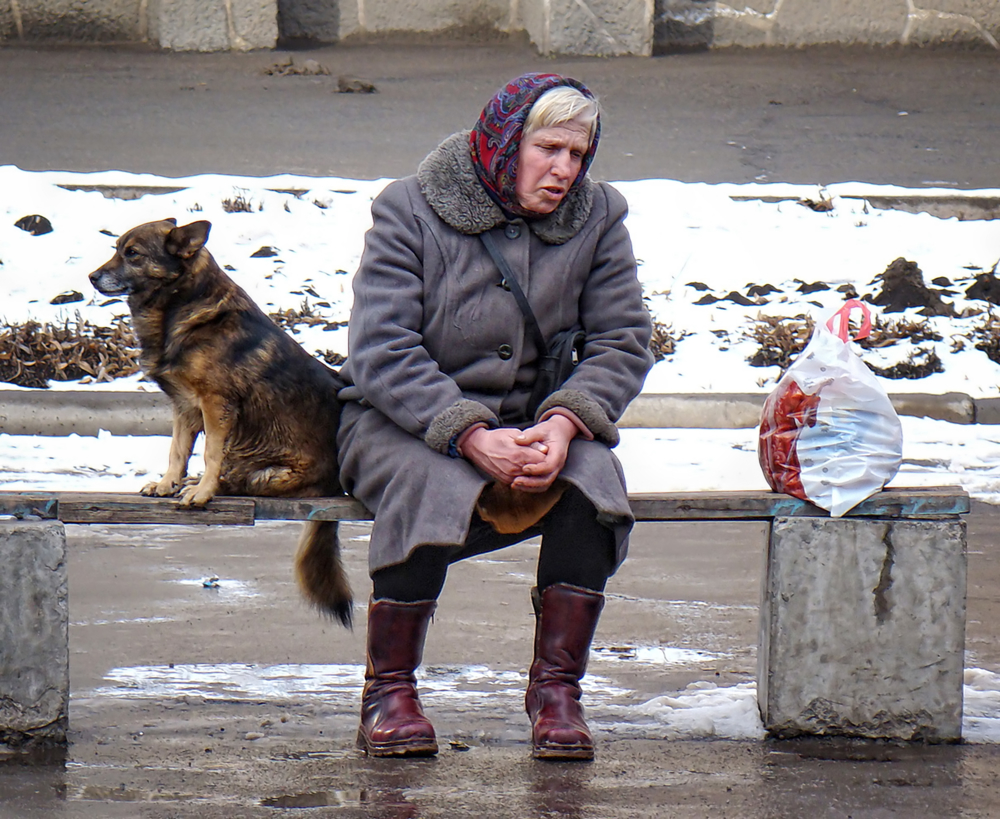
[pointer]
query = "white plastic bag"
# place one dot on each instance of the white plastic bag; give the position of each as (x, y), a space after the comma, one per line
(828, 432)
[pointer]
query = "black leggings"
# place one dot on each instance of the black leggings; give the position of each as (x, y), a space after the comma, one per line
(576, 549)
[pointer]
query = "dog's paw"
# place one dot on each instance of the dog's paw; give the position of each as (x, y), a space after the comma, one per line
(195, 496)
(159, 489)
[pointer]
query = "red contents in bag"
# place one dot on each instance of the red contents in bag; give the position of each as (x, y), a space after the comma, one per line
(786, 412)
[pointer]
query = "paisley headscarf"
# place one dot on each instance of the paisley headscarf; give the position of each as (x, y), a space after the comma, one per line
(496, 138)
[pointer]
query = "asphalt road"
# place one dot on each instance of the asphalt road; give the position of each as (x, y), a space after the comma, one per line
(915, 118)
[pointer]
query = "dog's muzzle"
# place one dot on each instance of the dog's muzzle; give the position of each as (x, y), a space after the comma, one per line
(106, 283)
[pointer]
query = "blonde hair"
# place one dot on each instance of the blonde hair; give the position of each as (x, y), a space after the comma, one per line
(560, 105)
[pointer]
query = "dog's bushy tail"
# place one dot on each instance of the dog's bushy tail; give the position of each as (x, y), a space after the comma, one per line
(320, 571)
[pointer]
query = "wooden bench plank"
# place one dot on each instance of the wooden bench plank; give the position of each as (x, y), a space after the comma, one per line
(29, 505)
(310, 509)
(923, 502)
(87, 507)
(93, 507)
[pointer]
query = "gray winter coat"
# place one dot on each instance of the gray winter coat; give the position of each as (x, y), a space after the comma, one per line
(436, 344)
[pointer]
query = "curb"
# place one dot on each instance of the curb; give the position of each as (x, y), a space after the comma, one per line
(44, 412)
(739, 410)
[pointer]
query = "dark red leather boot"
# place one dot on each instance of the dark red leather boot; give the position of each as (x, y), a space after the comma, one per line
(566, 620)
(392, 721)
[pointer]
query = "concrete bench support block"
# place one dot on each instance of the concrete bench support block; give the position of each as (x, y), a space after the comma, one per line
(213, 25)
(593, 28)
(34, 633)
(863, 629)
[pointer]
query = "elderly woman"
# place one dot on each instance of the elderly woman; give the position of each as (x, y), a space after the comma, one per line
(441, 369)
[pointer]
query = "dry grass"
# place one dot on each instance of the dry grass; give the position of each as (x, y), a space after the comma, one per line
(663, 342)
(306, 314)
(240, 202)
(780, 340)
(987, 337)
(32, 354)
(332, 358)
(886, 334)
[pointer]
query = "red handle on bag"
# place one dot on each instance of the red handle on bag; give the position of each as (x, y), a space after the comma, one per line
(844, 327)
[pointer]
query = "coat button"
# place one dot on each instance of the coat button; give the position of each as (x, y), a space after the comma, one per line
(512, 231)
(505, 351)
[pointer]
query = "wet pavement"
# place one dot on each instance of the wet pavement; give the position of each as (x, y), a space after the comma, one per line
(232, 698)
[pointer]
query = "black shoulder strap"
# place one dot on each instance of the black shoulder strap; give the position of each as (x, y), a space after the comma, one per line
(510, 282)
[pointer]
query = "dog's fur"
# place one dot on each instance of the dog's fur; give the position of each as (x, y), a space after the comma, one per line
(268, 409)
(511, 511)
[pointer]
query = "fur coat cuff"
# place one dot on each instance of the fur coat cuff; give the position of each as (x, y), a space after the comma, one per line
(587, 410)
(454, 421)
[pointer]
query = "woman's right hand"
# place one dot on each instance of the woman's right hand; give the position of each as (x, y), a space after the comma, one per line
(496, 452)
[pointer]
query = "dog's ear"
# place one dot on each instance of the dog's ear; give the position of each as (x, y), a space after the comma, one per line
(171, 220)
(186, 241)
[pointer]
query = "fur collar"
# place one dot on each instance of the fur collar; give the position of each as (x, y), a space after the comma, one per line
(449, 184)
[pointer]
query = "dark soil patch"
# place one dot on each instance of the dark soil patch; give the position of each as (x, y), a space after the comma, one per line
(903, 287)
(921, 363)
(35, 224)
(986, 287)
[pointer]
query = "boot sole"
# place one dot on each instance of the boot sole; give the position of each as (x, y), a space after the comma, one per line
(416, 747)
(554, 753)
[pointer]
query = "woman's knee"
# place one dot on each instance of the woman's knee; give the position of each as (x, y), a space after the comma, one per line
(420, 577)
(576, 547)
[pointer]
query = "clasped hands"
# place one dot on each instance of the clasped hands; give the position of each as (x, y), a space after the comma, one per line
(529, 460)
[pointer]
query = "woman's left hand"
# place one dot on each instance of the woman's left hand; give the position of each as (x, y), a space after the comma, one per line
(551, 437)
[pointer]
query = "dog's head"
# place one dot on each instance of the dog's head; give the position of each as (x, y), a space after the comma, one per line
(150, 257)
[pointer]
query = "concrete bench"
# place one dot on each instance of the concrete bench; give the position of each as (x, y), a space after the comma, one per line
(862, 618)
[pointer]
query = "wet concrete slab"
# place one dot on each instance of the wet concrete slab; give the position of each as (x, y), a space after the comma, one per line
(232, 698)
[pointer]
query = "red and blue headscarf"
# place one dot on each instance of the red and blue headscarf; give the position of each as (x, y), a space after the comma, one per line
(496, 138)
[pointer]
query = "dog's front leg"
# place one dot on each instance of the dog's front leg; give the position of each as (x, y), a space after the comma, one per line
(186, 427)
(218, 421)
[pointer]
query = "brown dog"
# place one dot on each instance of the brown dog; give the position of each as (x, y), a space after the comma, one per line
(268, 409)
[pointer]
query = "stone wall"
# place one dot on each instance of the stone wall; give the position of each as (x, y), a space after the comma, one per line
(582, 27)
(683, 24)
(329, 21)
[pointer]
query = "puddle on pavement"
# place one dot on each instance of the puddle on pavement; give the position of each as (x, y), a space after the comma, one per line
(847, 749)
(656, 655)
(102, 793)
(235, 681)
(236, 589)
(122, 621)
(390, 804)
(296, 755)
(472, 685)
(43, 755)
(317, 799)
(702, 710)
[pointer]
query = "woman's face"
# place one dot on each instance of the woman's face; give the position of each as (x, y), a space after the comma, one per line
(548, 163)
